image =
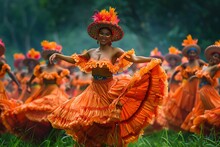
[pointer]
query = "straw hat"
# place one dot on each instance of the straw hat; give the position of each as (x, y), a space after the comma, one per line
(105, 19)
(212, 49)
(188, 44)
(173, 53)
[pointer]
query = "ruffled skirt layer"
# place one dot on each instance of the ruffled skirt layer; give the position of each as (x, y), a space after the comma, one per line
(115, 110)
(181, 103)
(30, 119)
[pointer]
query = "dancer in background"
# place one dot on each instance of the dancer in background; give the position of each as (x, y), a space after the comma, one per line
(112, 110)
(209, 98)
(29, 121)
(180, 103)
(31, 60)
(5, 68)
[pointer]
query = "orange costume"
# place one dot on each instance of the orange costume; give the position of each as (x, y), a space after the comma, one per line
(30, 61)
(206, 113)
(112, 110)
(30, 119)
(180, 103)
(3, 96)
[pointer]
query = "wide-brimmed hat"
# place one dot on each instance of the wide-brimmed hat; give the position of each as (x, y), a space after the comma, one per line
(50, 48)
(18, 58)
(32, 56)
(210, 50)
(188, 44)
(2, 47)
(106, 19)
(155, 53)
(173, 53)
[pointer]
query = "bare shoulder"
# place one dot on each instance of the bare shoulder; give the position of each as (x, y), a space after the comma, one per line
(118, 51)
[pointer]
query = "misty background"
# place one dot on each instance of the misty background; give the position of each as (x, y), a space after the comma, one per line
(147, 24)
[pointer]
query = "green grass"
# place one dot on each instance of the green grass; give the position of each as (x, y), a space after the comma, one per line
(164, 138)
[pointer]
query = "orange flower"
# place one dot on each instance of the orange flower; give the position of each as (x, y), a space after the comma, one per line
(32, 53)
(155, 52)
(217, 43)
(189, 41)
(104, 15)
(51, 46)
(19, 56)
(173, 50)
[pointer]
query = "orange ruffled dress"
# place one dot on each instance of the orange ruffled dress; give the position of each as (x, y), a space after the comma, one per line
(30, 119)
(180, 103)
(94, 117)
(3, 96)
(206, 113)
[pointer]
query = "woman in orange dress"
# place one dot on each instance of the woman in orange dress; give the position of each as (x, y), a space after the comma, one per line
(5, 68)
(180, 103)
(173, 59)
(209, 100)
(29, 121)
(112, 110)
(31, 60)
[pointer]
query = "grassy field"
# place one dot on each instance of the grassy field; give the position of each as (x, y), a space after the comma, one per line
(164, 138)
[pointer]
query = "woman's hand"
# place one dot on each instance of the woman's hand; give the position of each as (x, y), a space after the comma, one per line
(53, 57)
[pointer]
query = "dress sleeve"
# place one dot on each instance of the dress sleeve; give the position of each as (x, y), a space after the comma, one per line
(122, 63)
(80, 61)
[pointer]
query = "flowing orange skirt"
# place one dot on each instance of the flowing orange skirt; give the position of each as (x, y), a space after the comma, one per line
(30, 119)
(181, 103)
(115, 110)
(210, 99)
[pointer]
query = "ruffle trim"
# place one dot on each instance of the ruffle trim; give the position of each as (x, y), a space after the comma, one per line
(120, 65)
(50, 75)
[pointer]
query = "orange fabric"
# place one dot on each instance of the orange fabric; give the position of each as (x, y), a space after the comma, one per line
(181, 102)
(95, 112)
(33, 114)
(5, 67)
(120, 65)
(208, 99)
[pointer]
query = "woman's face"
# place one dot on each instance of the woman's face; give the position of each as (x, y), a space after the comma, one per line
(192, 54)
(172, 61)
(104, 36)
(215, 58)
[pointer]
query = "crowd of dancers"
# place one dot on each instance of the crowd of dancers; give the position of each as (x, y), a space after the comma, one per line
(106, 95)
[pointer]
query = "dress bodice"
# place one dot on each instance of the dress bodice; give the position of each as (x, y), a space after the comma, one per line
(45, 75)
(120, 65)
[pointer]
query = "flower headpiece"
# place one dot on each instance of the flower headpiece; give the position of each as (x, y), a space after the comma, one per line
(173, 50)
(33, 54)
(173, 54)
(2, 43)
(108, 16)
(155, 52)
(19, 56)
(46, 45)
(2, 47)
(190, 43)
(217, 43)
(106, 19)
